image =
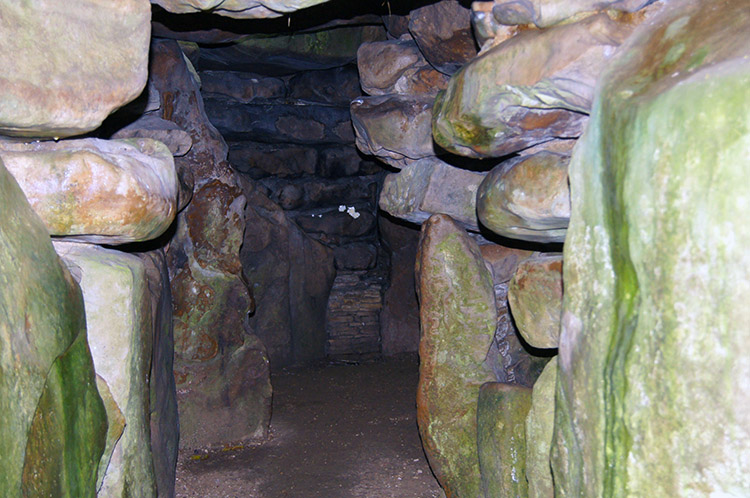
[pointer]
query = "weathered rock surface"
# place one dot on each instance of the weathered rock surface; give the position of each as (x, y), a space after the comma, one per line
(527, 198)
(63, 78)
(355, 256)
(152, 126)
(654, 350)
(221, 368)
(487, 31)
(395, 128)
(311, 192)
(535, 295)
(292, 276)
(332, 225)
(242, 87)
(54, 422)
(501, 438)
(545, 13)
(279, 122)
(238, 9)
(101, 191)
(430, 186)
(337, 86)
(540, 425)
(458, 316)
(534, 87)
(443, 33)
(120, 333)
(397, 66)
(399, 318)
(290, 53)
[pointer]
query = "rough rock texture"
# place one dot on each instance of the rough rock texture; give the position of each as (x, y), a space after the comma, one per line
(336, 86)
(291, 276)
(430, 186)
(487, 31)
(63, 78)
(530, 89)
(654, 350)
(527, 198)
(501, 438)
(535, 295)
(278, 122)
(221, 369)
(545, 13)
(242, 87)
(165, 426)
(118, 318)
(238, 9)
(540, 425)
(285, 54)
(395, 128)
(54, 422)
(102, 191)
(443, 33)
(399, 319)
(397, 66)
(458, 316)
(152, 126)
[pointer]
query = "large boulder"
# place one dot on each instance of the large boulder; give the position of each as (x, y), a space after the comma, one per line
(101, 191)
(545, 13)
(527, 198)
(540, 425)
(63, 78)
(395, 128)
(536, 295)
(501, 438)
(397, 66)
(457, 319)
(443, 32)
(430, 186)
(54, 422)
(221, 368)
(652, 398)
(118, 317)
(292, 275)
(532, 88)
(238, 9)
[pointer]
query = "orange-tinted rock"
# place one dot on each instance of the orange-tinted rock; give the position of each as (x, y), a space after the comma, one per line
(443, 33)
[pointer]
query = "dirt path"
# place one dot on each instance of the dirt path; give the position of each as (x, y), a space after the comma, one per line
(336, 432)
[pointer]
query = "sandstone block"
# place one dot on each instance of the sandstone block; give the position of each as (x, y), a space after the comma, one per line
(151, 126)
(458, 316)
(540, 425)
(100, 191)
(395, 128)
(545, 13)
(535, 296)
(63, 78)
(238, 9)
(430, 186)
(443, 33)
(527, 198)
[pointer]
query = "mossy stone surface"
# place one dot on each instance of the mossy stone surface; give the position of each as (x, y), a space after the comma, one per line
(501, 435)
(540, 424)
(458, 317)
(652, 397)
(54, 424)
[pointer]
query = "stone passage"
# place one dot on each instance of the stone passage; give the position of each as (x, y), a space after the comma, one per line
(353, 316)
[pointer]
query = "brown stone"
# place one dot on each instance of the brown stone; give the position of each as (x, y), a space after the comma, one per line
(443, 33)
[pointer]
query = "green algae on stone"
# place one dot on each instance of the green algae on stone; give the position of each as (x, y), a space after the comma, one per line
(501, 435)
(118, 316)
(527, 198)
(535, 294)
(539, 428)
(42, 335)
(458, 318)
(651, 398)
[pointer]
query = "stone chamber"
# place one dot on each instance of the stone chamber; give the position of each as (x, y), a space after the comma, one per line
(400, 249)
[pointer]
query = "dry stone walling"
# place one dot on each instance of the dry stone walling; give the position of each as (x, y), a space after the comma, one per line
(646, 396)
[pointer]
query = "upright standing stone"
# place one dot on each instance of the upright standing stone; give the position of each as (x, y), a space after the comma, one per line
(501, 439)
(64, 77)
(540, 425)
(118, 316)
(221, 368)
(54, 423)
(652, 394)
(458, 316)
